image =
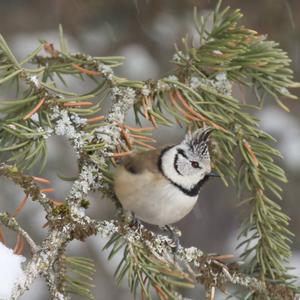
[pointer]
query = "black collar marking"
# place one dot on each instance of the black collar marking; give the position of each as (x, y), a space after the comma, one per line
(194, 191)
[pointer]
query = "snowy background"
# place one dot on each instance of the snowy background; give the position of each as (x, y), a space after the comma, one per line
(144, 31)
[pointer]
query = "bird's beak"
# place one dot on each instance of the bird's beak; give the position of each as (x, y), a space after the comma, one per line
(213, 174)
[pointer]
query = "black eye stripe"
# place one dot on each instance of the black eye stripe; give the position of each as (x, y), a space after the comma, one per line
(175, 165)
(181, 152)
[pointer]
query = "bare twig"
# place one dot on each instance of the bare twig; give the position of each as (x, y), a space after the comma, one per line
(11, 223)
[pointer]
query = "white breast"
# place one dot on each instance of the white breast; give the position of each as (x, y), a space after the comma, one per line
(152, 197)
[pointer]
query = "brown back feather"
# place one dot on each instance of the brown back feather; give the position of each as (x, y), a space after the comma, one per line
(139, 162)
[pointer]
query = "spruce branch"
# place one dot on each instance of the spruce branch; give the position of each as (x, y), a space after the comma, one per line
(81, 272)
(198, 93)
(243, 56)
(187, 267)
(197, 266)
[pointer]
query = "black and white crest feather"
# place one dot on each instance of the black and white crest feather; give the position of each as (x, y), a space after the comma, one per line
(197, 142)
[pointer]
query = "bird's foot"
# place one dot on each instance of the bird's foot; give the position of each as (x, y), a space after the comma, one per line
(175, 235)
(135, 222)
(129, 218)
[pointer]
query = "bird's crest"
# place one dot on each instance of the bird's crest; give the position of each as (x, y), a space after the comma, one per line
(197, 141)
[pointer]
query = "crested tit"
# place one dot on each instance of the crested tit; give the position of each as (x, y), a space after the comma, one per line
(161, 186)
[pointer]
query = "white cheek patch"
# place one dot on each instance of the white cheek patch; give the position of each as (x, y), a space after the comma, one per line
(186, 169)
(184, 166)
(189, 176)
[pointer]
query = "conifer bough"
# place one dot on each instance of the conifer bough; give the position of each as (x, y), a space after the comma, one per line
(197, 92)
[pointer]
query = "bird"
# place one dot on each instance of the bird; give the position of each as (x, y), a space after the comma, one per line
(161, 186)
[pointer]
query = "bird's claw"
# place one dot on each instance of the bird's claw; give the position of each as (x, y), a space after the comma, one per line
(135, 222)
(174, 235)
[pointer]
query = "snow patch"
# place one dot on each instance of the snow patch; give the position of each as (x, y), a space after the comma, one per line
(10, 271)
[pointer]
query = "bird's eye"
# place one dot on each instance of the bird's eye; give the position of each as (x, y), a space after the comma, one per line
(195, 164)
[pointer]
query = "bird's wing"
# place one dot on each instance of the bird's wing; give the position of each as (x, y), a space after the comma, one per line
(142, 161)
